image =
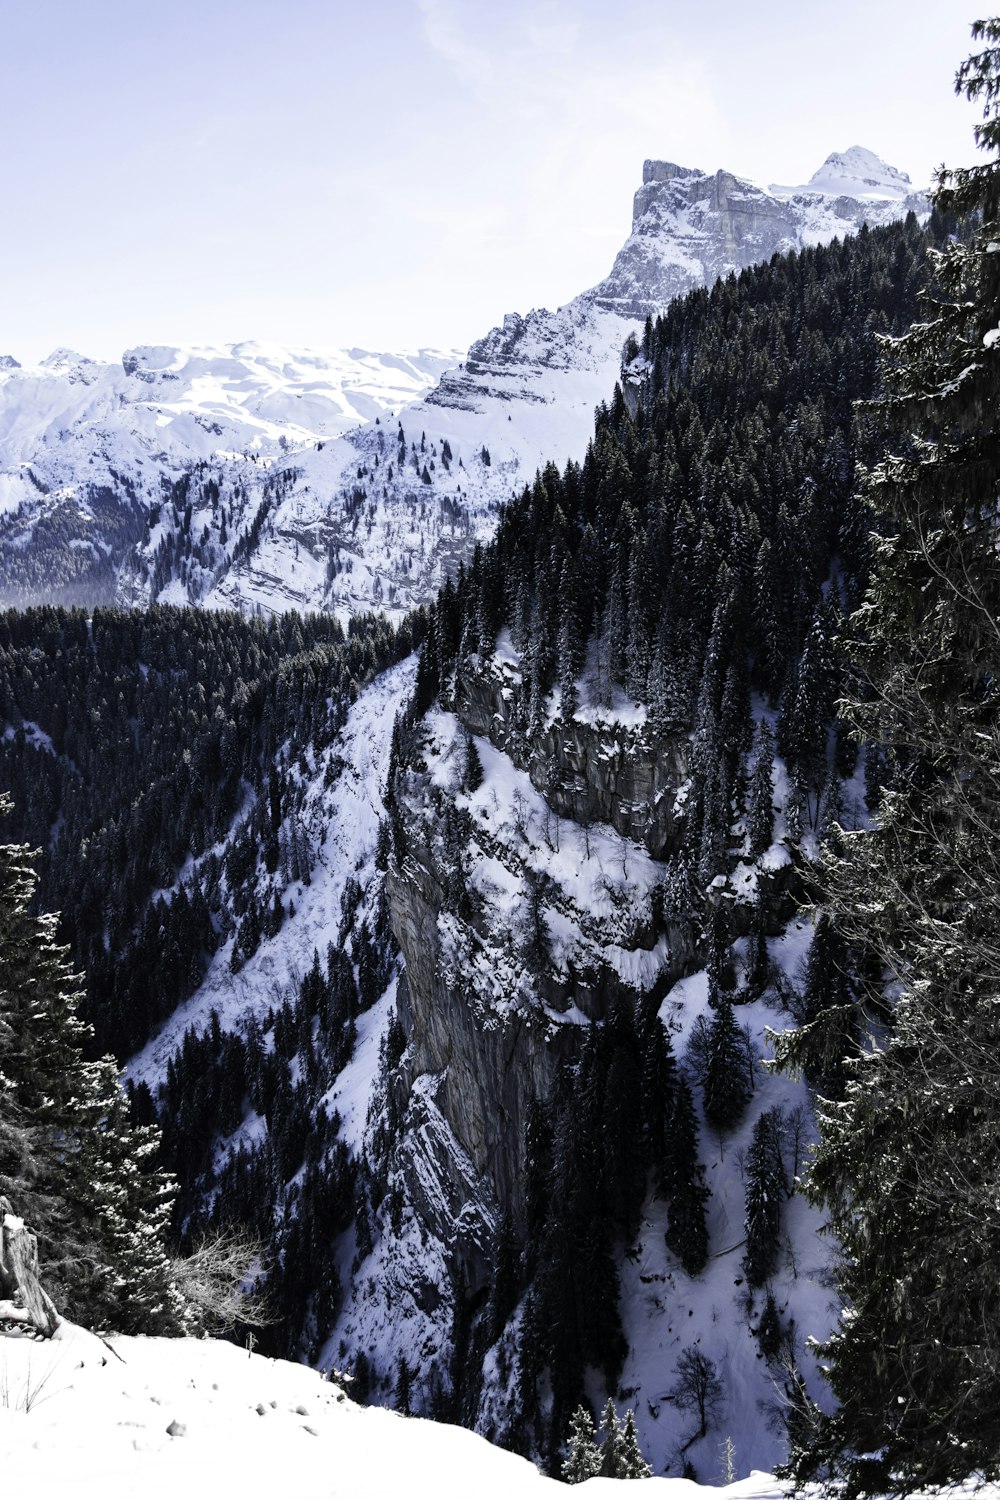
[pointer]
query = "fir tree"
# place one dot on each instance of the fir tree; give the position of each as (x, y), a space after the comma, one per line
(633, 1465)
(687, 1234)
(473, 766)
(760, 812)
(582, 1460)
(765, 1193)
(612, 1445)
(728, 1080)
(72, 1163)
(769, 1330)
(907, 1161)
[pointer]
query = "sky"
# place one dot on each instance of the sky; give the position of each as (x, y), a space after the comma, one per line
(400, 173)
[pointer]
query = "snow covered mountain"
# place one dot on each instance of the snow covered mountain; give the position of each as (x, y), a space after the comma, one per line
(252, 477)
(90, 449)
(525, 905)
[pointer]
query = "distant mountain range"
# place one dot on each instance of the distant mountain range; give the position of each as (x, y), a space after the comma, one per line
(261, 478)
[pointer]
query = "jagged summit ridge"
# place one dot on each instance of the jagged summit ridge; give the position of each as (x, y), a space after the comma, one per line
(689, 227)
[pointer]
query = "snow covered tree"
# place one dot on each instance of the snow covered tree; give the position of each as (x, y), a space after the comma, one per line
(583, 1460)
(633, 1465)
(71, 1161)
(907, 1165)
(613, 1444)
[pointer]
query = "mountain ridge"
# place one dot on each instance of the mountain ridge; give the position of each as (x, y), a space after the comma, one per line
(89, 457)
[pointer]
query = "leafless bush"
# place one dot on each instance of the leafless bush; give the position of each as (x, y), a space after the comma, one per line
(217, 1283)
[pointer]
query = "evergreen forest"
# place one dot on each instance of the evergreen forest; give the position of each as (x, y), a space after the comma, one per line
(779, 555)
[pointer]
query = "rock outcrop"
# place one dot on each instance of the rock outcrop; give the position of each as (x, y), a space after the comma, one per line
(593, 770)
(522, 911)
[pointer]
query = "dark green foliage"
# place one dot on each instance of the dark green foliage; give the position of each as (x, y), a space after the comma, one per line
(769, 1329)
(71, 1162)
(907, 1167)
(728, 1082)
(828, 1015)
(506, 1280)
(687, 1194)
(760, 811)
(766, 1190)
(473, 766)
(135, 740)
(692, 546)
(61, 563)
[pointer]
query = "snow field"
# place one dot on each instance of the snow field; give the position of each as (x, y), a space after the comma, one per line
(83, 1418)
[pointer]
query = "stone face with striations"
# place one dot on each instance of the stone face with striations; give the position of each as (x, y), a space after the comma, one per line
(690, 227)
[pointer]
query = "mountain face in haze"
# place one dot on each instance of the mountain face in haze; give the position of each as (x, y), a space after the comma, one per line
(257, 478)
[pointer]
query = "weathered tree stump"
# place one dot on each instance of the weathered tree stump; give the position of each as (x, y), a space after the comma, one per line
(22, 1298)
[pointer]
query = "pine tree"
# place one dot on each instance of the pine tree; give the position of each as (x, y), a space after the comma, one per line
(907, 1161)
(687, 1234)
(71, 1162)
(765, 1194)
(728, 1080)
(473, 766)
(760, 813)
(633, 1465)
(612, 1446)
(583, 1460)
(769, 1330)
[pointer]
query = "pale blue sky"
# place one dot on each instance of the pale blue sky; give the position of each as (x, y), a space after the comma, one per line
(403, 172)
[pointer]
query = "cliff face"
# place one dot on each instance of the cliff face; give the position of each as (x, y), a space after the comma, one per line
(594, 769)
(690, 227)
(523, 910)
(533, 886)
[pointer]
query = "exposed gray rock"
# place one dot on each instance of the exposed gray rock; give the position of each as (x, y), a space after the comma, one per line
(590, 772)
(691, 227)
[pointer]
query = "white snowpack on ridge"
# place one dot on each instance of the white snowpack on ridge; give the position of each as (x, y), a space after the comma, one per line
(300, 433)
(856, 173)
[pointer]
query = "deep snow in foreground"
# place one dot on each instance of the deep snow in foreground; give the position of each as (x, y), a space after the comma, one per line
(83, 1417)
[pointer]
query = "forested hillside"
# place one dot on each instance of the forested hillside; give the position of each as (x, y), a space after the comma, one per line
(605, 799)
(651, 638)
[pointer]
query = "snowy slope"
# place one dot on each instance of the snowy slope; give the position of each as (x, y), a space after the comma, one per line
(88, 450)
(79, 1417)
(339, 818)
(291, 460)
(83, 1417)
(859, 174)
(192, 402)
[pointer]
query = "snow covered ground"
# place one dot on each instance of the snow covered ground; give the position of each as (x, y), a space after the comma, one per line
(340, 818)
(195, 1417)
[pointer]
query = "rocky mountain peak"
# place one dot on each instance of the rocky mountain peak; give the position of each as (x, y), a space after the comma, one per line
(690, 227)
(857, 173)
